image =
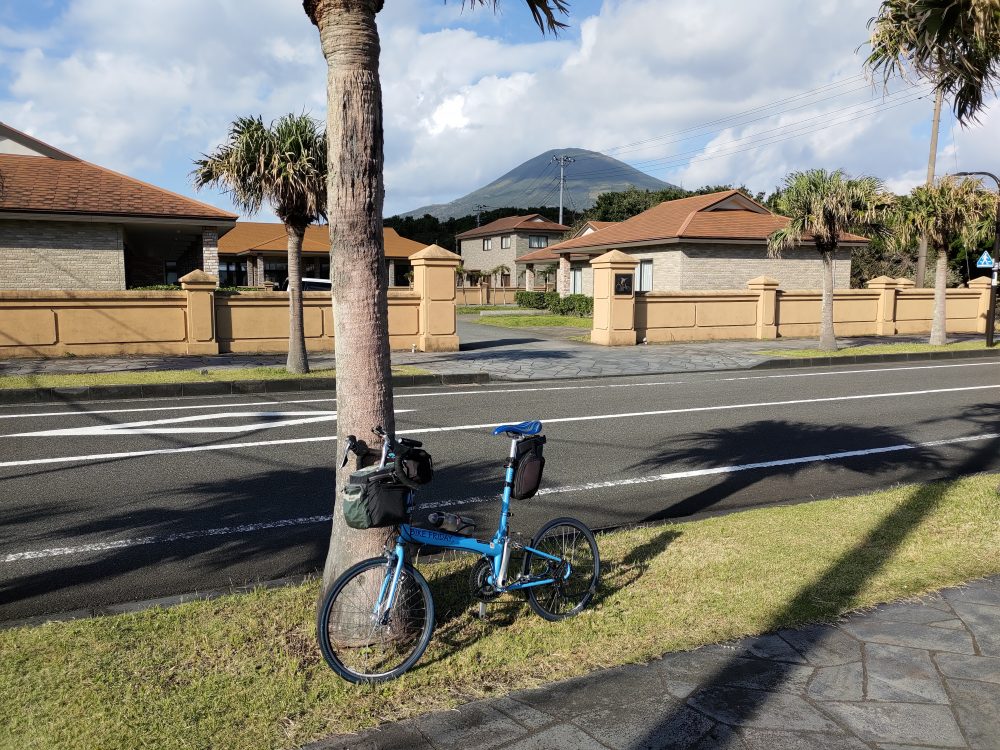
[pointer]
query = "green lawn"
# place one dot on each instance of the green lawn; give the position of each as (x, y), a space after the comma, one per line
(905, 348)
(537, 321)
(243, 671)
(148, 377)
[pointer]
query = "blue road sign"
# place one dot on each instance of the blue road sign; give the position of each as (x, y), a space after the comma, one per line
(985, 261)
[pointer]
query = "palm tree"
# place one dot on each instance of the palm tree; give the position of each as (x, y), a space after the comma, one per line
(952, 213)
(349, 37)
(283, 165)
(821, 207)
(953, 43)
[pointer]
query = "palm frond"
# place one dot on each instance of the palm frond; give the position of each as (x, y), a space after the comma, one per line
(953, 43)
(283, 164)
(543, 11)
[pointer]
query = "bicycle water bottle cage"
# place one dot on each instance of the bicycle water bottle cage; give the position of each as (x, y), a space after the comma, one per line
(524, 429)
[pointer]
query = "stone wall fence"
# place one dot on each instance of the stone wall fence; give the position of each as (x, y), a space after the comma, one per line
(886, 308)
(199, 319)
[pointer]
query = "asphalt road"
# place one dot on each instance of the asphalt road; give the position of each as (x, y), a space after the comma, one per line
(110, 502)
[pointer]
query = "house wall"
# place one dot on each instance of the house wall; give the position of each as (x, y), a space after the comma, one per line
(474, 258)
(61, 255)
(732, 266)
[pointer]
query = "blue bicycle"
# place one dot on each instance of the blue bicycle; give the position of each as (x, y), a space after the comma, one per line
(376, 620)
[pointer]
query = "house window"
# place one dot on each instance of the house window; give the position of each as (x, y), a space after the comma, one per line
(275, 270)
(538, 240)
(487, 243)
(644, 276)
(505, 242)
(576, 281)
(170, 272)
(232, 273)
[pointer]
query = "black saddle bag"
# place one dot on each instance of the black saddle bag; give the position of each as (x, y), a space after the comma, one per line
(417, 466)
(528, 465)
(374, 499)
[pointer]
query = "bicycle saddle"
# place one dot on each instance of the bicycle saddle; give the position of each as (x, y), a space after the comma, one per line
(525, 428)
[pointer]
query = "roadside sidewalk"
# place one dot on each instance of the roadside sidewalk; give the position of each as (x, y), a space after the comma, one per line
(517, 354)
(923, 673)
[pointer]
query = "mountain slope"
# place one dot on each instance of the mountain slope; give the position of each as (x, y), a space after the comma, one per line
(536, 183)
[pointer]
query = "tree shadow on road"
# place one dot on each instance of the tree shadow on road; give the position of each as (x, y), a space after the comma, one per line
(746, 454)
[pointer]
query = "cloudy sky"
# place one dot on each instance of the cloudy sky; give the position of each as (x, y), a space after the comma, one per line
(691, 91)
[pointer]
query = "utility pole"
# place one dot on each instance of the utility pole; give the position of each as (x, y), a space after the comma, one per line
(922, 248)
(562, 161)
(479, 211)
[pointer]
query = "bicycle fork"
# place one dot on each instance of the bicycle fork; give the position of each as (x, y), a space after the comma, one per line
(388, 589)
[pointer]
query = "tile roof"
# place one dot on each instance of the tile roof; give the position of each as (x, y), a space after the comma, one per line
(545, 255)
(690, 219)
(259, 236)
(512, 224)
(59, 183)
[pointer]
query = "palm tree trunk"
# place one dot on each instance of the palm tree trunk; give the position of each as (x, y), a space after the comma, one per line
(827, 337)
(357, 265)
(939, 333)
(298, 361)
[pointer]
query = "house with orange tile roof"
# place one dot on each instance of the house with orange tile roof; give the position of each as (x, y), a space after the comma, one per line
(502, 242)
(68, 224)
(704, 242)
(255, 252)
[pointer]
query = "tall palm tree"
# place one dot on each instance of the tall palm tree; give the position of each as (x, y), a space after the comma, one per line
(821, 207)
(953, 43)
(283, 165)
(952, 213)
(349, 37)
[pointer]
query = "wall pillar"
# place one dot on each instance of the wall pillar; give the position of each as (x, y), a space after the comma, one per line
(529, 277)
(434, 280)
(210, 251)
(562, 275)
(885, 321)
(614, 306)
(766, 290)
(982, 283)
(200, 288)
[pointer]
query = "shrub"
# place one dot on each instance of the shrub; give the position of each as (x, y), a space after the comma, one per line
(156, 288)
(533, 300)
(579, 305)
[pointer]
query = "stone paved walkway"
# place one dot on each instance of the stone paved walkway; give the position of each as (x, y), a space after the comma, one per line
(905, 676)
(504, 353)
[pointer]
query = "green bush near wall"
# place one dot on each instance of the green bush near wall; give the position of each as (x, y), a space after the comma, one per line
(531, 300)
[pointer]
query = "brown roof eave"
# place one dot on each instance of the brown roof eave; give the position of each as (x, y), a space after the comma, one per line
(90, 216)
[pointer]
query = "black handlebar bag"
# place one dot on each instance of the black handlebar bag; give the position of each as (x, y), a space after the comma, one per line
(374, 499)
(528, 465)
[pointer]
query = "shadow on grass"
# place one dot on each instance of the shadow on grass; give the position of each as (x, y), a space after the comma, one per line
(822, 599)
(455, 604)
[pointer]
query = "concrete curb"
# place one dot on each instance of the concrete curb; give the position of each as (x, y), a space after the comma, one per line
(222, 388)
(863, 359)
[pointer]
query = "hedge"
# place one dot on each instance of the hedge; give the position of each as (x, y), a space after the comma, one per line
(533, 300)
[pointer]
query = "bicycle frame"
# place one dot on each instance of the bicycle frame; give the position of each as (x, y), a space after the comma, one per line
(497, 550)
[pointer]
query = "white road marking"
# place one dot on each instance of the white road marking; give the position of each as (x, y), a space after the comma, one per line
(85, 412)
(161, 426)
(545, 420)
(587, 487)
(179, 537)
(688, 473)
(519, 389)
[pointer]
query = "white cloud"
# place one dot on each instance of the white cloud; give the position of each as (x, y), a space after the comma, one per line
(146, 86)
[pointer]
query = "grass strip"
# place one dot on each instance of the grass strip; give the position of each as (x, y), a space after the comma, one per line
(537, 321)
(243, 671)
(148, 377)
(852, 351)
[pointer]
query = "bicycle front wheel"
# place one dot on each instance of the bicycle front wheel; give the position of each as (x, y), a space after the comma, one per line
(574, 545)
(362, 643)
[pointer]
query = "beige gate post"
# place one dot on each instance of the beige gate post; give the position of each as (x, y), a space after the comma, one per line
(767, 306)
(982, 283)
(885, 324)
(434, 280)
(200, 288)
(614, 299)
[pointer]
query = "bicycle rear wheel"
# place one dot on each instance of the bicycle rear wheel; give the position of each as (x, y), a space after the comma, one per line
(359, 644)
(574, 544)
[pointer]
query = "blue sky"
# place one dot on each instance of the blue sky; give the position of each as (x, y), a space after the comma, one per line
(144, 87)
